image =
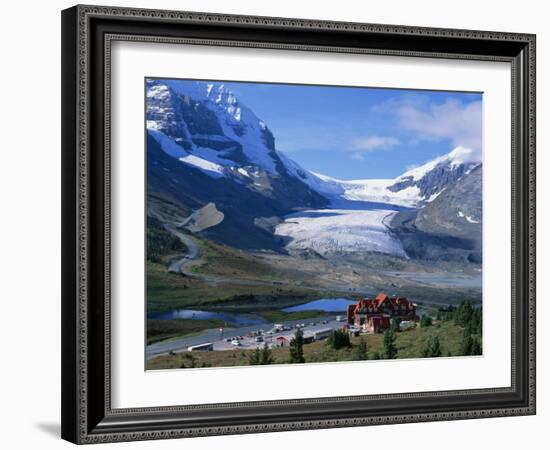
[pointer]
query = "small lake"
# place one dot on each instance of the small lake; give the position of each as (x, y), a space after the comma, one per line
(233, 318)
(331, 305)
(324, 304)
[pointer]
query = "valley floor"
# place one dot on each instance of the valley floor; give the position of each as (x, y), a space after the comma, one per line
(191, 296)
(410, 344)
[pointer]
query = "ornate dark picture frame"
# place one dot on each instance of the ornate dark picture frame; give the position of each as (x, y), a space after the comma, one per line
(87, 34)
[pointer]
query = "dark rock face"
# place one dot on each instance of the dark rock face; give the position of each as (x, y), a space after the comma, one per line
(450, 227)
(198, 118)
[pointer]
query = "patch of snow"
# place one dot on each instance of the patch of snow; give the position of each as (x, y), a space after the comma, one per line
(243, 172)
(211, 155)
(152, 125)
(468, 218)
(432, 197)
(170, 147)
(159, 92)
(338, 230)
(208, 166)
(474, 166)
(167, 144)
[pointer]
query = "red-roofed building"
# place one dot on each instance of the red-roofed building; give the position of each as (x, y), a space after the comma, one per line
(375, 314)
(378, 323)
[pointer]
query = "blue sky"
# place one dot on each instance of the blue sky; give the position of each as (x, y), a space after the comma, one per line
(353, 133)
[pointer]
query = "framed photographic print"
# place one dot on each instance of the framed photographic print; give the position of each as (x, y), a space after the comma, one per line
(278, 224)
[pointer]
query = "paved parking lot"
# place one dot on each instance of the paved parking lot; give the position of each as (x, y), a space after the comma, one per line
(247, 336)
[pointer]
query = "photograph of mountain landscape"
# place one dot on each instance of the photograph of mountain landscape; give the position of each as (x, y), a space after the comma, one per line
(304, 224)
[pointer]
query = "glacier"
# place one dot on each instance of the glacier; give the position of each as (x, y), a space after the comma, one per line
(331, 231)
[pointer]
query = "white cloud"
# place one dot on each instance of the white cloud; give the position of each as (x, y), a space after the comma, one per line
(372, 143)
(459, 122)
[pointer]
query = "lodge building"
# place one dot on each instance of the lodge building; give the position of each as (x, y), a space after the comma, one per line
(375, 314)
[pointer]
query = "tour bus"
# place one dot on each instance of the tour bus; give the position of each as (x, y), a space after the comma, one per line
(206, 347)
(322, 334)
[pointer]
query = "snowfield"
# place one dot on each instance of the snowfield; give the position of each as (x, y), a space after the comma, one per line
(468, 218)
(341, 230)
(377, 191)
(170, 147)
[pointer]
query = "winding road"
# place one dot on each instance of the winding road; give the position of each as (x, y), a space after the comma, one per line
(191, 258)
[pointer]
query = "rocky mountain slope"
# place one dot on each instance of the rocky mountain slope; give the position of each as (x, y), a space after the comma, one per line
(449, 227)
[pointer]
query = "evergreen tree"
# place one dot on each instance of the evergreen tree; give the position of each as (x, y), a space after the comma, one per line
(361, 353)
(297, 347)
(390, 349)
(376, 355)
(446, 313)
(464, 313)
(425, 321)
(267, 355)
(339, 339)
(432, 348)
(395, 324)
(255, 357)
(466, 345)
(476, 321)
(436, 348)
(261, 357)
(476, 347)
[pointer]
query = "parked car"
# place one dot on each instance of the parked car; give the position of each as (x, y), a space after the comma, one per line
(236, 342)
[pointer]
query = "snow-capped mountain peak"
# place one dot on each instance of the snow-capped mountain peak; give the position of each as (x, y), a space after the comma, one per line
(208, 120)
(413, 188)
(457, 157)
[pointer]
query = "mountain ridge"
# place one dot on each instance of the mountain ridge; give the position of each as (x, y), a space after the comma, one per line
(205, 128)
